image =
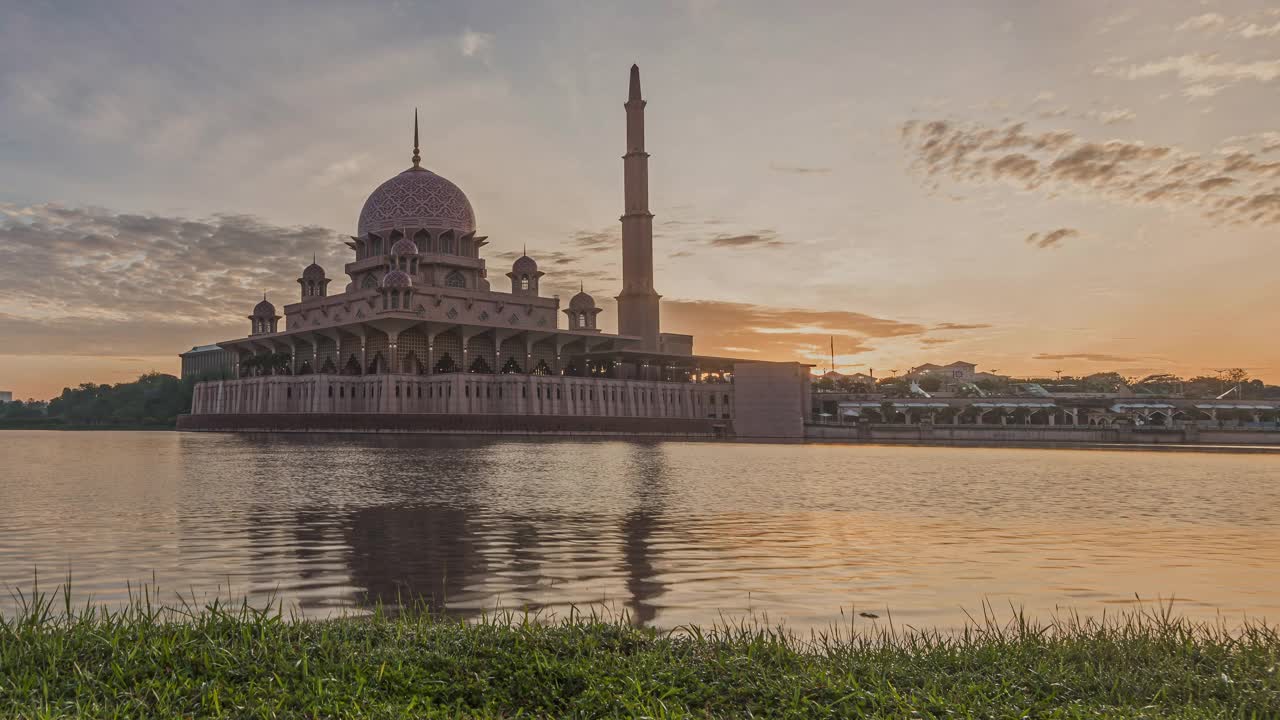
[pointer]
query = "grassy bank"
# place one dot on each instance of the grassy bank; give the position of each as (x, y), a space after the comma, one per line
(238, 662)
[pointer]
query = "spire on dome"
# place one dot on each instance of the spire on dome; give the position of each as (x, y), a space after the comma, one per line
(417, 157)
(634, 92)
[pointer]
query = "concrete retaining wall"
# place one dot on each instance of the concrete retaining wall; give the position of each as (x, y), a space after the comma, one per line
(1035, 434)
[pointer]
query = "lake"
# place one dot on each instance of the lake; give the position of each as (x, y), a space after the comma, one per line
(668, 532)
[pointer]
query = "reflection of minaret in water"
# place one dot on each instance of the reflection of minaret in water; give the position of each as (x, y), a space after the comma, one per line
(638, 302)
(638, 529)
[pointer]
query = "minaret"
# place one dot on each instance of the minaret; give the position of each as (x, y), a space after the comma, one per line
(638, 303)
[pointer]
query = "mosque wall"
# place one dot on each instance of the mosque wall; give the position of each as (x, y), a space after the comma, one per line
(466, 394)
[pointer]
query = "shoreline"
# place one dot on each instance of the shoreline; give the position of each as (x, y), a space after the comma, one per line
(675, 437)
(221, 660)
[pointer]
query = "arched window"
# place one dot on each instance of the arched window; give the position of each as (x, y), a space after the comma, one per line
(375, 244)
(423, 240)
(455, 280)
(524, 282)
(582, 320)
(446, 364)
(446, 244)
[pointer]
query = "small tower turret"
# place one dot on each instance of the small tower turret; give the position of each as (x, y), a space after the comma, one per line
(264, 318)
(524, 276)
(313, 281)
(582, 312)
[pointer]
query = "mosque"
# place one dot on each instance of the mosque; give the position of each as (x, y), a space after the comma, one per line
(418, 339)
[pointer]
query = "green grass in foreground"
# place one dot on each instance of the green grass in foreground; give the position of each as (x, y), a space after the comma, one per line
(235, 661)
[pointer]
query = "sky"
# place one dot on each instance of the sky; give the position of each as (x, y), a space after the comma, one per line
(1029, 186)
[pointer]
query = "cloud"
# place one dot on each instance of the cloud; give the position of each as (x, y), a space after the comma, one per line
(599, 241)
(1236, 184)
(474, 44)
(798, 169)
(1203, 74)
(1253, 30)
(1249, 29)
(1206, 21)
(1088, 357)
(764, 238)
(1052, 238)
(99, 282)
(960, 326)
(778, 333)
(1112, 117)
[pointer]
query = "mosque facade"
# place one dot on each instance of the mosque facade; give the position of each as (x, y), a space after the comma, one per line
(416, 337)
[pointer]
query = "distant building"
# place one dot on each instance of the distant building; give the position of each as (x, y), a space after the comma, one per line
(955, 373)
(6, 396)
(208, 362)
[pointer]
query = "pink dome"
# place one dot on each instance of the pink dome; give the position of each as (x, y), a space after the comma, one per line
(404, 246)
(396, 279)
(417, 198)
(582, 301)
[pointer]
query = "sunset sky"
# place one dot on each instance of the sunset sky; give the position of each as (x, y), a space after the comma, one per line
(1030, 186)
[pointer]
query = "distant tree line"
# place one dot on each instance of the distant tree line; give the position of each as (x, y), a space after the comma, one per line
(154, 399)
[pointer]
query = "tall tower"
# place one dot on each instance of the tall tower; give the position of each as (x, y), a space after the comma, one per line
(638, 303)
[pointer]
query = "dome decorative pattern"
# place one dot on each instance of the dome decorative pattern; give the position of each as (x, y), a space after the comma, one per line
(417, 198)
(396, 279)
(313, 272)
(524, 264)
(404, 246)
(264, 309)
(582, 301)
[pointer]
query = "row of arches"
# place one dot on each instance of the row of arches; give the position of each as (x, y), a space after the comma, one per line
(445, 243)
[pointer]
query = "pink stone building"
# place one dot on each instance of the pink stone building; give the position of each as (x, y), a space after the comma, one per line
(416, 330)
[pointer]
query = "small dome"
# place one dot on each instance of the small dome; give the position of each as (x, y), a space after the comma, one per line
(397, 279)
(404, 246)
(524, 264)
(582, 301)
(264, 309)
(313, 272)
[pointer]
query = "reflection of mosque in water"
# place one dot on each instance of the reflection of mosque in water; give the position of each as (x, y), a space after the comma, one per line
(466, 559)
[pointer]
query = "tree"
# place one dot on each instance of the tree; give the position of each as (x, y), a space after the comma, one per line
(1159, 384)
(1107, 382)
(931, 383)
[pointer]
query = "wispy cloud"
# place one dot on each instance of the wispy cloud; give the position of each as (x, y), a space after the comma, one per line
(779, 333)
(764, 238)
(798, 169)
(1051, 239)
(108, 283)
(473, 44)
(1202, 74)
(1087, 357)
(1236, 185)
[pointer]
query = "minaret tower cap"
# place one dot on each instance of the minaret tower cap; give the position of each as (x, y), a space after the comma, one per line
(633, 93)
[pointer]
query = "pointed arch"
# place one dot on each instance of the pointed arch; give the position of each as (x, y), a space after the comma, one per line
(446, 364)
(455, 279)
(352, 367)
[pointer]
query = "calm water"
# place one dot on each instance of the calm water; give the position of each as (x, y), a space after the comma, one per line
(669, 532)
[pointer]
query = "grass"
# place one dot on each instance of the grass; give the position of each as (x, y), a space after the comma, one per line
(228, 660)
